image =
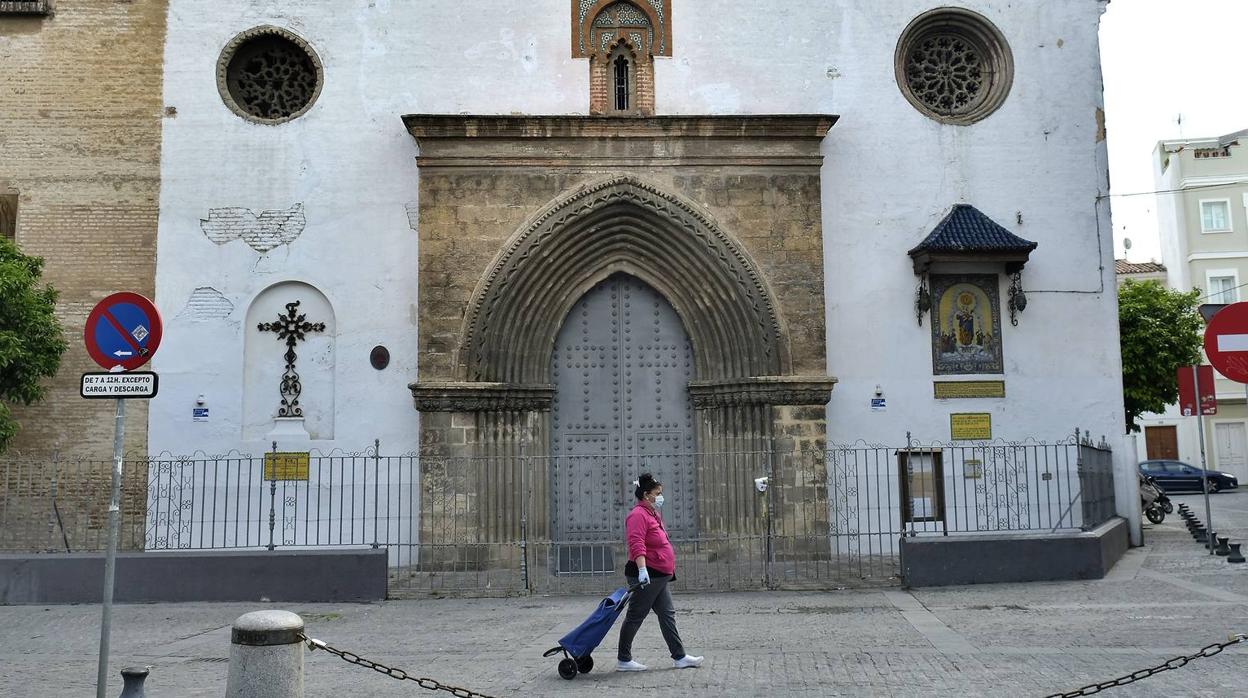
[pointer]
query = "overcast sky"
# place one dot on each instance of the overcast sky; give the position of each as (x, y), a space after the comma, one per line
(1163, 58)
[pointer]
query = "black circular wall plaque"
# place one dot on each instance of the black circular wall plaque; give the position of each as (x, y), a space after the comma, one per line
(379, 357)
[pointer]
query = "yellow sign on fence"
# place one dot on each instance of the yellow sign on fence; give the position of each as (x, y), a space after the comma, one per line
(286, 466)
(949, 390)
(970, 426)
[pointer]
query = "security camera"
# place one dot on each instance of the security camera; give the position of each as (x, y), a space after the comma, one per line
(760, 484)
(199, 399)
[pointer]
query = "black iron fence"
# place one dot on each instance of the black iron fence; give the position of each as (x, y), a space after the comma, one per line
(741, 520)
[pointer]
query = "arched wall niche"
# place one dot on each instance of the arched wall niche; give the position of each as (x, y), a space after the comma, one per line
(264, 362)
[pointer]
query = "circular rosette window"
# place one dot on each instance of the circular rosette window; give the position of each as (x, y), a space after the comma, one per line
(954, 66)
(269, 75)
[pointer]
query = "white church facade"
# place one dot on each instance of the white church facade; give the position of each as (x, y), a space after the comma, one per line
(497, 261)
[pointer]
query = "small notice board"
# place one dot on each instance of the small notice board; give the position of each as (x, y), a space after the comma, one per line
(286, 465)
(123, 384)
(970, 426)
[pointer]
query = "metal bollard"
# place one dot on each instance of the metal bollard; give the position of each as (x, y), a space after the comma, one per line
(266, 656)
(132, 678)
(1235, 555)
(1223, 548)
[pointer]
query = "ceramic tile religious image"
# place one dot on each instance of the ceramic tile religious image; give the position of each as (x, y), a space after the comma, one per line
(966, 324)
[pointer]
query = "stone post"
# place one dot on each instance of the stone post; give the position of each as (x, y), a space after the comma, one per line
(132, 679)
(266, 656)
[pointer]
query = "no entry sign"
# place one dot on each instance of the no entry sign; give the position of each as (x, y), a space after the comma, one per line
(1226, 342)
(122, 330)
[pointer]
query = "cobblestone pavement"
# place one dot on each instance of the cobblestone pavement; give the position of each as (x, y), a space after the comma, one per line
(1165, 599)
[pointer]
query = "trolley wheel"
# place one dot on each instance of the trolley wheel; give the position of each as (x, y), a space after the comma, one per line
(1168, 507)
(585, 664)
(567, 668)
(1155, 514)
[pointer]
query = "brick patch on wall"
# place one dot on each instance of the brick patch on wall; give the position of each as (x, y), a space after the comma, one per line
(262, 232)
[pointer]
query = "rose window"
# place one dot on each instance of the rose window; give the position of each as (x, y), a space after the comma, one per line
(954, 66)
(269, 75)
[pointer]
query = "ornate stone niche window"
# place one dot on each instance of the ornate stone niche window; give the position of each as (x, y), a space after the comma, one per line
(269, 75)
(621, 38)
(954, 66)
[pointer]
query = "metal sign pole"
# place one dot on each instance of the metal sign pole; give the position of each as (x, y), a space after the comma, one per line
(110, 562)
(1204, 484)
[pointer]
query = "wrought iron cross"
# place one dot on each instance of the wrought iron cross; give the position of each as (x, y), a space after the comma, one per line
(291, 327)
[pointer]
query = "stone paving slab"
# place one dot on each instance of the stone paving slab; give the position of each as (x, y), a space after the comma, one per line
(1018, 640)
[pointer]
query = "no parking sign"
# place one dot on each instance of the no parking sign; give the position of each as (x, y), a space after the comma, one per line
(123, 330)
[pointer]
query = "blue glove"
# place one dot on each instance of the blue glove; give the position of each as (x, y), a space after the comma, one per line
(643, 576)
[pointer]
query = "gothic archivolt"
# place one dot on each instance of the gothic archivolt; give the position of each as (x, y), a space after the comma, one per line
(621, 224)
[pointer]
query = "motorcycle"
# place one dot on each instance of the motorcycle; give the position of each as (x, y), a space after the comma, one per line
(1153, 500)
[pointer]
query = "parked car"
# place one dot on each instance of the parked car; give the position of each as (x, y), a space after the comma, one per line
(1175, 476)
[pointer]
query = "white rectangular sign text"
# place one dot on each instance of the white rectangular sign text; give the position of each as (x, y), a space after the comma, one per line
(140, 384)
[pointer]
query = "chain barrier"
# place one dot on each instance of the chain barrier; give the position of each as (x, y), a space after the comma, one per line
(353, 658)
(1176, 663)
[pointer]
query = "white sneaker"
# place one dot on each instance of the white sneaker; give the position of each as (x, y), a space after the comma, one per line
(687, 662)
(632, 666)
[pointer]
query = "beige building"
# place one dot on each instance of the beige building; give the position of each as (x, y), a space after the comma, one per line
(80, 124)
(1202, 208)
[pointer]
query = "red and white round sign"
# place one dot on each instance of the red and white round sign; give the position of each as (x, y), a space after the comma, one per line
(1226, 342)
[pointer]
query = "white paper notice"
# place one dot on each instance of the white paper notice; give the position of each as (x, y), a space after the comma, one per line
(921, 507)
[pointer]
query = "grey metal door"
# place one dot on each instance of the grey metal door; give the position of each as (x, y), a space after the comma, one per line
(621, 368)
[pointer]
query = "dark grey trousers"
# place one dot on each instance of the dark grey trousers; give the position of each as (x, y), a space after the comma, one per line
(657, 597)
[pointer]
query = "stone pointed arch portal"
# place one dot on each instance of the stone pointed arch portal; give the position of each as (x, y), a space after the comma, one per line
(519, 217)
(622, 224)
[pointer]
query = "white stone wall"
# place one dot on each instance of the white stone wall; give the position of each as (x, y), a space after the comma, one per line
(890, 175)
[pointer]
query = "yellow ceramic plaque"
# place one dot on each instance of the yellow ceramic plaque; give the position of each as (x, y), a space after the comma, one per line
(953, 390)
(286, 466)
(970, 426)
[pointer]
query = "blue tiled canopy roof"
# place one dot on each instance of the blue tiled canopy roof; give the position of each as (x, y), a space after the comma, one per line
(966, 234)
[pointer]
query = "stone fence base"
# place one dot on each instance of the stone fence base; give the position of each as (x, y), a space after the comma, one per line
(989, 559)
(276, 576)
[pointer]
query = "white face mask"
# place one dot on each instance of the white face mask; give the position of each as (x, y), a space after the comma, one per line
(658, 502)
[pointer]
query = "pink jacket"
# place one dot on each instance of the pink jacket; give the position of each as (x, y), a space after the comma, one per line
(646, 536)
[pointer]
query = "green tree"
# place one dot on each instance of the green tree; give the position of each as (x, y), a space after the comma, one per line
(31, 340)
(1161, 331)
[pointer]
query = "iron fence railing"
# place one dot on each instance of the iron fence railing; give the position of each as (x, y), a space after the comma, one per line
(741, 520)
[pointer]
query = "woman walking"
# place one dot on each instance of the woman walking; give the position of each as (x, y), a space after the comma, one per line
(651, 563)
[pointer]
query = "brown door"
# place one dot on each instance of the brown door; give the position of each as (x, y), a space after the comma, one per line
(1162, 443)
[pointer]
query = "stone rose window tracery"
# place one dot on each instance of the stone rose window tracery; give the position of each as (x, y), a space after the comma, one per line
(954, 66)
(946, 73)
(269, 75)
